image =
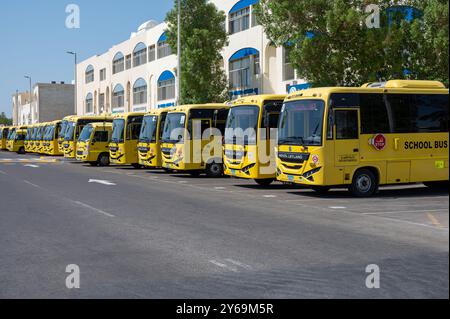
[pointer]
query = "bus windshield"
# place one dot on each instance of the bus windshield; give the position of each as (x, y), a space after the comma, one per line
(243, 118)
(148, 131)
(301, 123)
(86, 133)
(175, 124)
(70, 131)
(62, 132)
(118, 131)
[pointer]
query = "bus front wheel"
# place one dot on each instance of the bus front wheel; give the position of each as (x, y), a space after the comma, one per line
(137, 166)
(214, 170)
(21, 151)
(103, 160)
(365, 183)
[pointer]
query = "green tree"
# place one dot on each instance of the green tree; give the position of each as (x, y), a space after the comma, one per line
(203, 36)
(4, 120)
(332, 45)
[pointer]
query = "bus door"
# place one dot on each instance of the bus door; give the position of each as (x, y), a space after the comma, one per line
(199, 139)
(347, 143)
(271, 116)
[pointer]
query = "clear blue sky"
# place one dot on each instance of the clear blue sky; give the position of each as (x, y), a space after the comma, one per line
(34, 38)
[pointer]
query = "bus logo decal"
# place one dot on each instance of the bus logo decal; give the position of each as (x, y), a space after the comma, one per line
(379, 142)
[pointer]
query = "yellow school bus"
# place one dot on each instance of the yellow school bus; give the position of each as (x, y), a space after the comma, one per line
(125, 138)
(62, 133)
(187, 144)
(51, 144)
(149, 146)
(16, 140)
(93, 144)
(382, 133)
(34, 138)
(74, 127)
(4, 132)
(39, 139)
(250, 136)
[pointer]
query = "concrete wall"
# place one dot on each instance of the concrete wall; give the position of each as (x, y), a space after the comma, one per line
(55, 101)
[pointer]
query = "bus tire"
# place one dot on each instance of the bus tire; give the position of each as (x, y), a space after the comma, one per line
(364, 184)
(437, 185)
(21, 151)
(103, 160)
(264, 182)
(322, 190)
(214, 170)
(136, 166)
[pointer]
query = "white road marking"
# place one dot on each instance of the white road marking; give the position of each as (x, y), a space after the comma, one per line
(31, 184)
(93, 209)
(224, 266)
(31, 165)
(102, 182)
(270, 196)
(4, 173)
(219, 188)
(182, 182)
(338, 207)
(408, 211)
(238, 263)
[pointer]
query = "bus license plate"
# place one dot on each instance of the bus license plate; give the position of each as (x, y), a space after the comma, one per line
(233, 172)
(291, 178)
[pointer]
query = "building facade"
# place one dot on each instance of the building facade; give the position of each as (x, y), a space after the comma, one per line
(139, 73)
(49, 102)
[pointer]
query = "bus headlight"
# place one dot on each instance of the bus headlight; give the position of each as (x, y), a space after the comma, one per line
(309, 175)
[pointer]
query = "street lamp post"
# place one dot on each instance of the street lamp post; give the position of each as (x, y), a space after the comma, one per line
(75, 58)
(179, 54)
(31, 94)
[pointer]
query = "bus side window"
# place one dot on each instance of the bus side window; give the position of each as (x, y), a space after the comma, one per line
(346, 124)
(101, 136)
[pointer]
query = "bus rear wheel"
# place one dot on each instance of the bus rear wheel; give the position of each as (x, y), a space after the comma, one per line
(21, 151)
(103, 160)
(365, 183)
(264, 182)
(214, 170)
(137, 166)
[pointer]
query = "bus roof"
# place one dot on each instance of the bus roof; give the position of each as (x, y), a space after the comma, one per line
(101, 124)
(126, 115)
(91, 117)
(394, 86)
(161, 110)
(257, 99)
(210, 106)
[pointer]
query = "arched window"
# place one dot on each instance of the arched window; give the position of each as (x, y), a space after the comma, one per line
(89, 74)
(118, 63)
(140, 92)
(163, 47)
(118, 98)
(241, 16)
(288, 68)
(89, 104)
(166, 86)
(140, 54)
(244, 66)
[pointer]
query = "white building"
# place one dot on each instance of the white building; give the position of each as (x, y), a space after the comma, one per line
(49, 102)
(139, 73)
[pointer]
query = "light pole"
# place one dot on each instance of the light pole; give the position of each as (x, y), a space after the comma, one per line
(179, 54)
(31, 94)
(75, 99)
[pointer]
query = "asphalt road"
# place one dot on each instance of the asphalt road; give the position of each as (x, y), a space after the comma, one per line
(147, 234)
